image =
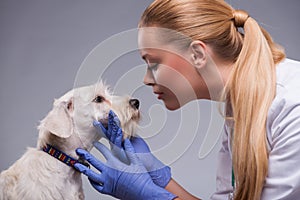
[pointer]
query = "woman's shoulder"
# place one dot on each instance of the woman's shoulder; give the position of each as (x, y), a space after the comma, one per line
(288, 73)
(286, 104)
(288, 82)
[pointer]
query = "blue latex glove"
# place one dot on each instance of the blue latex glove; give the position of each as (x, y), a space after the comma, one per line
(113, 131)
(114, 134)
(160, 174)
(127, 182)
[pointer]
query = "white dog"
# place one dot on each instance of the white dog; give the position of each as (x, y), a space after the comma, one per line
(38, 175)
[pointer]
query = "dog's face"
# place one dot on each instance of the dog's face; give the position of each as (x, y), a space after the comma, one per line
(70, 123)
(127, 110)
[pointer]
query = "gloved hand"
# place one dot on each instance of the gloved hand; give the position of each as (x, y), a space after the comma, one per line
(127, 182)
(160, 174)
(113, 131)
(114, 134)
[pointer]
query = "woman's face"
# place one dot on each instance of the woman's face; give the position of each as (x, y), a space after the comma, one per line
(170, 72)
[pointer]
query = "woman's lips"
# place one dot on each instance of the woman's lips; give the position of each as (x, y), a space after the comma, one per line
(159, 94)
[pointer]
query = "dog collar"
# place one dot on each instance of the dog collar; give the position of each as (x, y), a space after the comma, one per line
(61, 156)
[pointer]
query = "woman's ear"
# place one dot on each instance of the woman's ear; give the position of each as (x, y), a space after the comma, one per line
(198, 54)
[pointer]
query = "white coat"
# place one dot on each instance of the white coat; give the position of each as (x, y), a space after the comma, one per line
(283, 135)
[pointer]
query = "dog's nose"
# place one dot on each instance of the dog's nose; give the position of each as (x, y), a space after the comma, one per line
(134, 103)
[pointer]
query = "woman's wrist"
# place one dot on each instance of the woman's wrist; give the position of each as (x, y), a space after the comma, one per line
(160, 193)
(179, 191)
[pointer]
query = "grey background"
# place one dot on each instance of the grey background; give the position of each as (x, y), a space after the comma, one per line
(43, 44)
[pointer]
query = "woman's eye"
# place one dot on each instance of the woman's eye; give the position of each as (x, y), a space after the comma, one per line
(99, 99)
(153, 66)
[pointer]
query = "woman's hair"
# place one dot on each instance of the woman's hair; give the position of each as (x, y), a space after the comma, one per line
(251, 87)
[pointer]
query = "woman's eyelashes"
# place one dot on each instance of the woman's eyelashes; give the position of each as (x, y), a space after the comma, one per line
(153, 66)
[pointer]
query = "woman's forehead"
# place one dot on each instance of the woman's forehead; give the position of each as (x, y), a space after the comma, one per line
(148, 39)
(157, 38)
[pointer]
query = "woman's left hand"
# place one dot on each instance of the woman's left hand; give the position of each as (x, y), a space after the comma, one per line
(160, 173)
(113, 131)
(114, 134)
(127, 182)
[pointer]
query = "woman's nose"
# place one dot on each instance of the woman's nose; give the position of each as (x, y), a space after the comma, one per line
(149, 78)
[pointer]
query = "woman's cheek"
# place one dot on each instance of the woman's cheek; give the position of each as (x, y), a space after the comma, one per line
(176, 83)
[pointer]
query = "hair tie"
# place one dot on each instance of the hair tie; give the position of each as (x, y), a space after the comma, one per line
(240, 17)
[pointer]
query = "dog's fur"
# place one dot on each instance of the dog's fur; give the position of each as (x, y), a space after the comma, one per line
(37, 175)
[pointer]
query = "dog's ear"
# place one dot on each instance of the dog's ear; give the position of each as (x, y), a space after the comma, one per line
(59, 120)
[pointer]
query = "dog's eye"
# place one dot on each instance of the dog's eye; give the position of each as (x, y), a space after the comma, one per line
(99, 99)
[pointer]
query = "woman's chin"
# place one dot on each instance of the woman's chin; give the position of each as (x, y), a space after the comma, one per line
(172, 105)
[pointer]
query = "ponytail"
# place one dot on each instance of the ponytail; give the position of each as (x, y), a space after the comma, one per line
(251, 90)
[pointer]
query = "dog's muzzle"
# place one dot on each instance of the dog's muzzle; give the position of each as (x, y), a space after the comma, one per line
(134, 103)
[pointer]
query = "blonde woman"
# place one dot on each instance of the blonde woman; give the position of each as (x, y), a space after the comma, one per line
(204, 49)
